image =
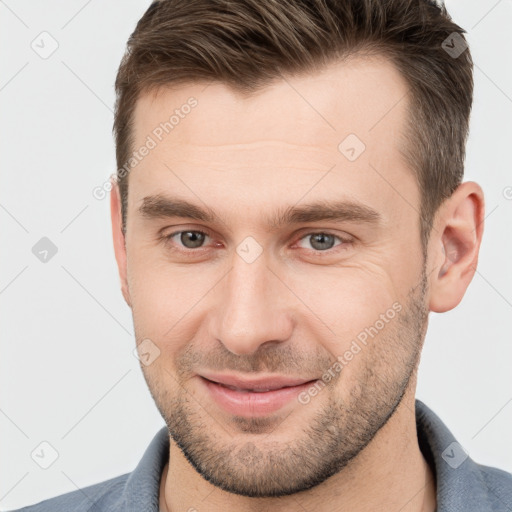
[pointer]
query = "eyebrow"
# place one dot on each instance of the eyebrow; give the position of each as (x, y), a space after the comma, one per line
(159, 206)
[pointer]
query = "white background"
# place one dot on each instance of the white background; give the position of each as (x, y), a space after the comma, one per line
(68, 375)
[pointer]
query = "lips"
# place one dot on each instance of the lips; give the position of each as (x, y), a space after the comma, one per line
(253, 397)
(260, 385)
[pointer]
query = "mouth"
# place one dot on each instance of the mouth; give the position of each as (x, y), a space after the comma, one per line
(254, 399)
(234, 388)
(260, 384)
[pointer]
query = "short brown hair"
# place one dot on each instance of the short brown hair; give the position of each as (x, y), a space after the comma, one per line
(247, 44)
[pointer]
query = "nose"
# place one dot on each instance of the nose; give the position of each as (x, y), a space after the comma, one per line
(252, 308)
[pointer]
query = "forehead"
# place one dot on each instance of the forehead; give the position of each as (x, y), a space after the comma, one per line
(348, 118)
(352, 95)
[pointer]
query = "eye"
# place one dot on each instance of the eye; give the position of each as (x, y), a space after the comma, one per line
(321, 241)
(190, 239)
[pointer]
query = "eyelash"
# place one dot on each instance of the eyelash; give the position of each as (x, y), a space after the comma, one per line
(343, 244)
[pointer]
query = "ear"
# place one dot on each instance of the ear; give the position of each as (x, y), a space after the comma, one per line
(454, 246)
(119, 239)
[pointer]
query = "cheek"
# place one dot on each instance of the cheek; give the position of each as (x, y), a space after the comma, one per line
(347, 299)
(354, 308)
(166, 296)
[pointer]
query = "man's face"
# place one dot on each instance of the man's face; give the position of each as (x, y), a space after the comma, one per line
(258, 297)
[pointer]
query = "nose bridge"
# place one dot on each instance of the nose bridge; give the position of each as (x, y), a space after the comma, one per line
(249, 313)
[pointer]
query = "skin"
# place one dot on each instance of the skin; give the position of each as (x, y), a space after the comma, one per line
(295, 308)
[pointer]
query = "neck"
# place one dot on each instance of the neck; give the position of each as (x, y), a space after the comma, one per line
(389, 474)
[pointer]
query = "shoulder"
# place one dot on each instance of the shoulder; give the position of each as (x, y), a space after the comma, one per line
(138, 489)
(97, 497)
(498, 485)
(462, 483)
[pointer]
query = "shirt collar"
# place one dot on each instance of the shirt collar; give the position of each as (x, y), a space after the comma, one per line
(460, 484)
(459, 480)
(142, 488)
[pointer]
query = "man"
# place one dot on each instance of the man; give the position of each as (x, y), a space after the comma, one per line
(288, 209)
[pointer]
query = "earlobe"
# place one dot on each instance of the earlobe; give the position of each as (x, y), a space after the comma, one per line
(118, 239)
(458, 234)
